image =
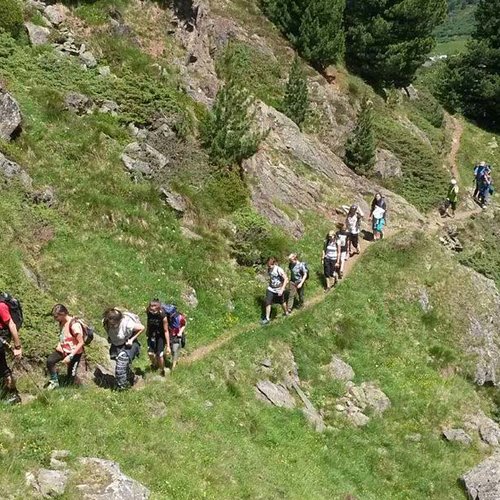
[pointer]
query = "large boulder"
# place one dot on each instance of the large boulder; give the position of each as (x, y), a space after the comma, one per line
(340, 370)
(10, 116)
(38, 35)
(483, 481)
(48, 482)
(56, 13)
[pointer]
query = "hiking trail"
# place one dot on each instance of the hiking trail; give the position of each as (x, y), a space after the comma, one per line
(434, 222)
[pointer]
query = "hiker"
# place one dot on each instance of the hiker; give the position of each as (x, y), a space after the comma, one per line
(275, 290)
(330, 259)
(176, 329)
(298, 276)
(9, 338)
(158, 337)
(486, 188)
(123, 329)
(479, 171)
(69, 350)
(451, 199)
(342, 237)
(378, 216)
(353, 223)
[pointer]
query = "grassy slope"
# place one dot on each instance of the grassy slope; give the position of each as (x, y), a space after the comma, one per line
(241, 448)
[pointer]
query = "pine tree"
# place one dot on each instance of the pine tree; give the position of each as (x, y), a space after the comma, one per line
(388, 40)
(227, 131)
(295, 103)
(360, 147)
(488, 22)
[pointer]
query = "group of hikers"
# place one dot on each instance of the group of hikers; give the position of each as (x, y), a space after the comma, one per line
(165, 329)
(483, 189)
(338, 247)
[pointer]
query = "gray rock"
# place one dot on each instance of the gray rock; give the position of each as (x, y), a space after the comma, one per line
(110, 107)
(276, 394)
(424, 301)
(387, 164)
(56, 13)
(45, 196)
(109, 482)
(174, 200)
(142, 159)
(488, 429)
(104, 71)
(457, 435)
(483, 481)
(10, 115)
(36, 5)
(34, 277)
(11, 170)
(38, 35)
(411, 92)
(78, 103)
(340, 370)
(356, 417)
(57, 459)
(47, 482)
(266, 363)
(375, 398)
(190, 298)
(88, 59)
(312, 415)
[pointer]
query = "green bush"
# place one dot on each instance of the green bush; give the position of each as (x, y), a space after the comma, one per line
(11, 17)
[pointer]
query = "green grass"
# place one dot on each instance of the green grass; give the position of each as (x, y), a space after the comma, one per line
(450, 47)
(238, 447)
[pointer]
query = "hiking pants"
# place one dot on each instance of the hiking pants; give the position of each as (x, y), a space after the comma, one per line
(57, 357)
(329, 267)
(4, 368)
(294, 291)
(124, 356)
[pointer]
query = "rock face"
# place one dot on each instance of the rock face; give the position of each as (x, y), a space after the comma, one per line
(387, 164)
(276, 394)
(488, 429)
(10, 115)
(38, 35)
(340, 370)
(56, 13)
(47, 482)
(483, 481)
(109, 482)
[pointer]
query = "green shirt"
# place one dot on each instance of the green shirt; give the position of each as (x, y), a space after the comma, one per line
(453, 193)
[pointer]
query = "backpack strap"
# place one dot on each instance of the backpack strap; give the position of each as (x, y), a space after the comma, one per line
(74, 320)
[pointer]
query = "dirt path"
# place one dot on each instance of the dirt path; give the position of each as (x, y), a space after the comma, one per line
(433, 224)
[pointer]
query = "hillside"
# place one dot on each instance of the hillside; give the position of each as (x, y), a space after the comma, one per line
(111, 200)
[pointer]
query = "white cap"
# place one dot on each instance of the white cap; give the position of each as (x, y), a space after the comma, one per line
(453, 181)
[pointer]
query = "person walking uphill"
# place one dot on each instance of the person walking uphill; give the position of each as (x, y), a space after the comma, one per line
(9, 333)
(353, 223)
(330, 259)
(123, 329)
(378, 215)
(451, 199)
(298, 276)
(69, 350)
(176, 329)
(158, 337)
(275, 290)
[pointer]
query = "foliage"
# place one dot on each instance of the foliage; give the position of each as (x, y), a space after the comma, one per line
(227, 131)
(360, 147)
(314, 27)
(255, 240)
(380, 45)
(296, 102)
(11, 17)
(471, 81)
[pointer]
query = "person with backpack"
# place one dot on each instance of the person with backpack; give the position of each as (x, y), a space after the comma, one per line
(158, 335)
(276, 289)
(479, 171)
(342, 237)
(486, 188)
(451, 199)
(11, 319)
(123, 329)
(353, 223)
(378, 216)
(69, 350)
(176, 329)
(330, 259)
(298, 276)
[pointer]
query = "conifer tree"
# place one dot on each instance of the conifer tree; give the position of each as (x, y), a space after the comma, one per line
(295, 103)
(360, 147)
(388, 40)
(227, 132)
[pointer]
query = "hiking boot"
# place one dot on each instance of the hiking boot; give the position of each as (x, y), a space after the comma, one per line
(286, 313)
(265, 321)
(53, 384)
(13, 399)
(162, 373)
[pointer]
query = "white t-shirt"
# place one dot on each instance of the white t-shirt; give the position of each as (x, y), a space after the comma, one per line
(276, 279)
(353, 223)
(128, 325)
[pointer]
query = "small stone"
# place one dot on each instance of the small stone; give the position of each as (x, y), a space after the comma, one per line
(457, 435)
(104, 71)
(38, 35)
(357, 418)
(340, 407)
(340, 370)
(190, 298)
(208, 404)
(174, 200)
(88, 59)
(266, 363)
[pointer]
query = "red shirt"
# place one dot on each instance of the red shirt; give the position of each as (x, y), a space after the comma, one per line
(4, 316)
(174, 329)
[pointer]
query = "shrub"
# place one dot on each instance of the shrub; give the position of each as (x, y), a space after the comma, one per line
(11, 17)
(296, 95)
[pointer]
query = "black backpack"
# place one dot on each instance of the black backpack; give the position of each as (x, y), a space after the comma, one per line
(15, 308)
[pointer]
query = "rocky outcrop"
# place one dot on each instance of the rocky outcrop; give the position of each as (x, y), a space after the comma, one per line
(78, 103)
(458, 436)
(340, 370)
(10, 116)
(48, 483)
(56, 13)
(486, 428)
(483, 481)
(387, 165)
(276, 394)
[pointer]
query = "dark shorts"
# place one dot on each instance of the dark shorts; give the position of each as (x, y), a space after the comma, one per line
(272, 298)
(4, 369)
(156, 345)
(452, 204)
(329, 267)
(354, 239)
